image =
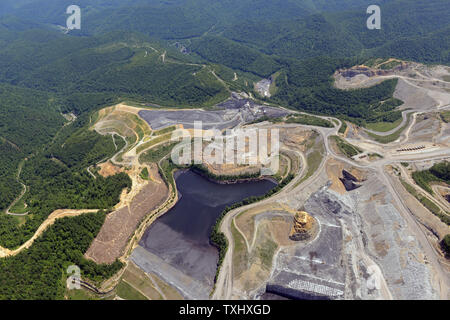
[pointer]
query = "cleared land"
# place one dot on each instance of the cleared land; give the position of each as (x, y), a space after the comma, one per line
(121, 224)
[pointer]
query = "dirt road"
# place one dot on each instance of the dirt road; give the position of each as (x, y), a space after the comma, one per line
(24, 190)
(57, 214)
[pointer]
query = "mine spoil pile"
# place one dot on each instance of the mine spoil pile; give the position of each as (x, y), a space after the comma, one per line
(350, 181)
(370, 72)
(303, 227)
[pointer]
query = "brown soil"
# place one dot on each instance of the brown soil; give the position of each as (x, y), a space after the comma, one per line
(334, 171)
(232, 169)
(280, 229)
(120, 225)
(130, 109)
(245, 221)
(108, 169)
(295, 138)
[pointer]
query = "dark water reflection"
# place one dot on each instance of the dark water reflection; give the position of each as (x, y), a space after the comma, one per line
(181, 236)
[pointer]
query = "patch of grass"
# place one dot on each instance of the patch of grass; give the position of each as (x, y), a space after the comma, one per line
(309, 120)
(266, 118)
(343, 127)
(152, 142)
(375, 155)
(392, 137)
(170, 292)
(266, 252)
(127, 292)
(346, 148)
(439, 172)
(283, 168)
(19, 206)
(374, 62)
(156, 154)
(164, 130)
(313, 160)
(81, 294)
(273, 86)
(423, 179)
(240, 254)
(428, 204)
(384, 126)
(389, 65)
(446, 244)
(166, 171)
(144, 173)
(445, 116)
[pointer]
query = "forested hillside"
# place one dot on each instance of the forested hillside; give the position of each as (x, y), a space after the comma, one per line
(28, 119)
(130, 50)
(313, 91)
(39, 273)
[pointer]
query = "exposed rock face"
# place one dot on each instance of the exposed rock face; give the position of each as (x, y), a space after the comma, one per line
(370, 72)
(303, 226)
(350, 181)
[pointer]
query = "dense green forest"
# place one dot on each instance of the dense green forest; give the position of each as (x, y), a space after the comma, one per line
(9, 160)
(57, 178)
(234, 55)
(39, 272)
(28, 119)
(105, 68)
(52, 187)
(313, 91)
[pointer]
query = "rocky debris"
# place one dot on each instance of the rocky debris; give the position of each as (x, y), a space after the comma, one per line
(363, 247)
(313, 270)
(263, 87)
(370, 72)
(328, 202)
(350, 181)
(303, 226)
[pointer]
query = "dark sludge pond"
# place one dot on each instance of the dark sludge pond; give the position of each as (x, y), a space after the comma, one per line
(181, 236)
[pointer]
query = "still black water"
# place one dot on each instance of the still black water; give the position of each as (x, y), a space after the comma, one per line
(181, 236)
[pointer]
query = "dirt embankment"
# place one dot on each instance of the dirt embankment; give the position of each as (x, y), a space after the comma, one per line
(120, 225)
(108, 169)
(339, 173)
